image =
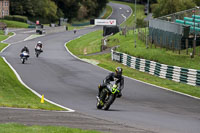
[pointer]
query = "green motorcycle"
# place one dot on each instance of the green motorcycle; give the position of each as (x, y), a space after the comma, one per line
(108, 96)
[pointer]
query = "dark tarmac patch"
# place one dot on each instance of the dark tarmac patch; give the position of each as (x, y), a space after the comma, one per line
(68, 119)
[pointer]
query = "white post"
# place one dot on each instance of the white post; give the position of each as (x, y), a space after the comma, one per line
(135, 23)
(148, 8)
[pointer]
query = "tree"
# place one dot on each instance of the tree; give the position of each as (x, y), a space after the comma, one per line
(164, 7)
(53, 9)
(16, 7)
(197, 2)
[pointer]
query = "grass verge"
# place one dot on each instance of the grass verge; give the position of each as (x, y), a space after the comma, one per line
(15, 24)
(108, 12)
(14, 94)
(3, 37)
(19, 128)
(86, 44)
(160, 55)
(106, 62)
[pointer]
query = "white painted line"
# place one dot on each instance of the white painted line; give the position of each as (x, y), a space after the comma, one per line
(129, 15)
(71, 52)
(6, 40)
(111, 12)
(5, 48)
(127, 11)
(37, 94)
(9, 37)
(123, 16)
(32, 37)
(135, 79)
(28, 109)
(120, 8)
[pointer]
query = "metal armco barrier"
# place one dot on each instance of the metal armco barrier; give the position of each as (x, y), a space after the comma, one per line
(178, 74)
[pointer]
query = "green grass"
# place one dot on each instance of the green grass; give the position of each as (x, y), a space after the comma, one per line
(127, 44)
(15, 24)
(87, 44)
(139, 11)
(156, 54)
(14, 94)
(19, 128)
(2, 45)
(3, 37)
(108, 12)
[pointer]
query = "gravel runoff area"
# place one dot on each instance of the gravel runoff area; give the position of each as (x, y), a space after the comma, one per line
(68, 119)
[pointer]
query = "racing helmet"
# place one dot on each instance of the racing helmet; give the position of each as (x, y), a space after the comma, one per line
(39, 42)
(118, 71)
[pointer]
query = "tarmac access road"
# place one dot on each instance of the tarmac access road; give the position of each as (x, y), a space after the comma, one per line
(73, 83)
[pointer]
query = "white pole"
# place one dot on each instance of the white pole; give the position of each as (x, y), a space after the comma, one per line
(148, 8)
(135, 24)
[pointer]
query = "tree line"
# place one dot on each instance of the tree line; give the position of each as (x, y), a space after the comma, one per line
(165, 7)
(52, 10)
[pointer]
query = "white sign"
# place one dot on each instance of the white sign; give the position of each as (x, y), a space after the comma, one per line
(105, 22)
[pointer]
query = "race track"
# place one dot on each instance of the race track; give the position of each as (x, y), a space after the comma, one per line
(73, 83)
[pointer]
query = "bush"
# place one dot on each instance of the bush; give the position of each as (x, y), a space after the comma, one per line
(16, 18)
(141, 23)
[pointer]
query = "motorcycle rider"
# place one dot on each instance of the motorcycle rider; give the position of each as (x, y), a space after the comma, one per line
(24, 49)
(39, 44)
(112, 77)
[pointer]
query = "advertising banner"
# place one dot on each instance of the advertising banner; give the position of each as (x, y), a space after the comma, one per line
(105, 22)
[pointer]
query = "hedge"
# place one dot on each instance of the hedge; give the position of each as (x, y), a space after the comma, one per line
(16, 18)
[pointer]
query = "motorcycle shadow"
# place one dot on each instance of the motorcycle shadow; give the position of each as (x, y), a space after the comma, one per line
(114, 110)
(26, 63)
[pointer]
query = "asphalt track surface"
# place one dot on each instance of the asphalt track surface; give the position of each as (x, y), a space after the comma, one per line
(73, 83)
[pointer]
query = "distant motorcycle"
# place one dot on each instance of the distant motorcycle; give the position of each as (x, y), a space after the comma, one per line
(24, 56)
(38, 50)
(107, 96)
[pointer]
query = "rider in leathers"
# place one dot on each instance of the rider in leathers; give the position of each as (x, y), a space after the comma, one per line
(39, 43)
(111, 77)
(25, 48)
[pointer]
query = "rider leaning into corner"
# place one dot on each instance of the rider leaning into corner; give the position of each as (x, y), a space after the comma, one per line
(39, 44)
(24, 49)
(114, 76)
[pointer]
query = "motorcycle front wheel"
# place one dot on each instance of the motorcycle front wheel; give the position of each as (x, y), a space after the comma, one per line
(23, 60)
(102, 97)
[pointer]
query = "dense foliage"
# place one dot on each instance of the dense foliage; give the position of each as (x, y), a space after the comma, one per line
(164, 7)
(51, 10)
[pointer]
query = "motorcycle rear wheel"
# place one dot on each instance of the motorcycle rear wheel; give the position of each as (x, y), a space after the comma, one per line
(109, 102)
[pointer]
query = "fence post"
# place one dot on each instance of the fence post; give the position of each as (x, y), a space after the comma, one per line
(167, 43)
(161, 42)
(186, 46)
(179, 51)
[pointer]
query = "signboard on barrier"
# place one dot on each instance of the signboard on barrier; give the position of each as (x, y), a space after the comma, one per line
(111, 22)
(116, 56)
